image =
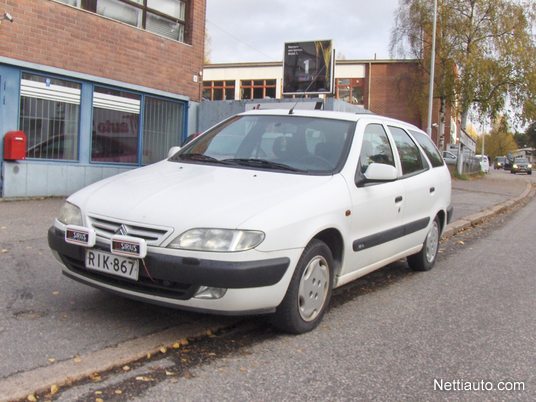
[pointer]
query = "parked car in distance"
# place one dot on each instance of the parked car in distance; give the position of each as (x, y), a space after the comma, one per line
(500, 162)
(521, 165)
(449, 158)
(484, 163)
(266, 212)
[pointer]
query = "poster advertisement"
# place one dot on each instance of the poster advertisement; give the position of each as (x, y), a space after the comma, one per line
(308, 68)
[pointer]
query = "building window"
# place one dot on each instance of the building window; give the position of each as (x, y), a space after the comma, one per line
(115, 126)
(257, 89)
(163, 123)
(219, 90)
(163, 17)
(50, 116)
(350, 90)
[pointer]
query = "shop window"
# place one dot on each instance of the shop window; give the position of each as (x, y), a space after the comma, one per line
(163, 17)
(257, 89)
(350, 90)
(115, 126)
(219, 90)
(50, 116)
(163, 123)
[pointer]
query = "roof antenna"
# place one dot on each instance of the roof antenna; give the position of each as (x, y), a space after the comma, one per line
(291, 111)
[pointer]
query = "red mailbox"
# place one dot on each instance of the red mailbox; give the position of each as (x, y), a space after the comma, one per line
(15, 145)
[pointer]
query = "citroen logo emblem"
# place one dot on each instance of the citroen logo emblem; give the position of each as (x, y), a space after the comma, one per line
(122, 230)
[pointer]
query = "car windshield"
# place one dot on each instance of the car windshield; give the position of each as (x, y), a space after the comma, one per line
(288, 143)
(520, 160)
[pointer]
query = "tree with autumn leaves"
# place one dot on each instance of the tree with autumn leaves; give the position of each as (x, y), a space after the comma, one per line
(485, 54)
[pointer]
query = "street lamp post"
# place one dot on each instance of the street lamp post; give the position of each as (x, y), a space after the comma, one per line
(432, 68)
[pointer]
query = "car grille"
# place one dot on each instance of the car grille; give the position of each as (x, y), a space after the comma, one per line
(106, 228)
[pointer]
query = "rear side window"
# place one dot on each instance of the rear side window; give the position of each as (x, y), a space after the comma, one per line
(410, 155)
(429, 148)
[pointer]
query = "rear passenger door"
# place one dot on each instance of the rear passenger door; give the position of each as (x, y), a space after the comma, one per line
(419, 189)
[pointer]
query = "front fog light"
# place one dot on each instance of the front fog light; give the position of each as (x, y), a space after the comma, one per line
(70, 215)
(207, 292)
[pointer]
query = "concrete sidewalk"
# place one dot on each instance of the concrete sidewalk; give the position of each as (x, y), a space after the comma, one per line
(23, 226)
(484, 196)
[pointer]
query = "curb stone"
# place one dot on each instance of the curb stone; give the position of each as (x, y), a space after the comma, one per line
(472, 220)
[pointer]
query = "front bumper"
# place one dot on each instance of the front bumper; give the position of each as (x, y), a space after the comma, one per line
(172, 280)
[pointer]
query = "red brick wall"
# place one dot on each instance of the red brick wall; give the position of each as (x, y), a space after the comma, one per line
(53, 34)
(390, 90)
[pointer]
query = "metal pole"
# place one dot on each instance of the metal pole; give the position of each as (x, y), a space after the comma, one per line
(432, 68)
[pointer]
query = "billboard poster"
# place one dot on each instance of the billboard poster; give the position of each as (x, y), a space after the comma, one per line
(308, 67)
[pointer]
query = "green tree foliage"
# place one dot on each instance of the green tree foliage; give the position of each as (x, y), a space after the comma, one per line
(486, 52)
(531, 134)
(499, 142)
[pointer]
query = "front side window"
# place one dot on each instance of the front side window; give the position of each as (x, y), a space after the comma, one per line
(163, 123)
(50, 117)
(285, 143)
(115, 126)
(409, 153)
(376, 147)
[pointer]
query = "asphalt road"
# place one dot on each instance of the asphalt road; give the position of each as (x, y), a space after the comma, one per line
(46, 318)
(395, 335)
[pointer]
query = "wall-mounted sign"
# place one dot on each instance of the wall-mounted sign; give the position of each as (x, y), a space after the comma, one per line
(308, 67)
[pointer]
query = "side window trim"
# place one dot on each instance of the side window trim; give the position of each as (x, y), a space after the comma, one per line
(423, 158)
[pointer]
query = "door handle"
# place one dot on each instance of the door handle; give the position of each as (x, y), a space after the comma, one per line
(398, 199)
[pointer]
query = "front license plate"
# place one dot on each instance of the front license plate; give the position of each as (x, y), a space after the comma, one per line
(112, 264)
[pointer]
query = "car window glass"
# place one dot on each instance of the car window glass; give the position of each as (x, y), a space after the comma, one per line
(409, 153)
(376, 147)
(305, 144)
(428, 147)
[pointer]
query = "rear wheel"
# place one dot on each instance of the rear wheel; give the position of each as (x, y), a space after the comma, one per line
(425, 259)
(309, 292)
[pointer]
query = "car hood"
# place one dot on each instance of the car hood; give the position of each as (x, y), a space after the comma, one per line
(183, 195)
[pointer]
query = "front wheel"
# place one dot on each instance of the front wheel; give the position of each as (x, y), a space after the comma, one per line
(309, 291)
(425, 259)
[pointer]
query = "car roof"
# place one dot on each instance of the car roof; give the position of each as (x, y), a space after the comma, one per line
(328, 114)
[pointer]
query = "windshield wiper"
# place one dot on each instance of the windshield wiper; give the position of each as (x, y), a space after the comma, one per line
(195, 157)
(262, 163)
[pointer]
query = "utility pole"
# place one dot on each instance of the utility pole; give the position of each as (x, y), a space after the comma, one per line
(432, 68)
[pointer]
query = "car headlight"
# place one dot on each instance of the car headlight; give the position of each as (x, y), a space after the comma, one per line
(529, 166)
(226, 240)
(70, 215)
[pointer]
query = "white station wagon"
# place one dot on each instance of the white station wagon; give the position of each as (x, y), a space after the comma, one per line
(266, 212)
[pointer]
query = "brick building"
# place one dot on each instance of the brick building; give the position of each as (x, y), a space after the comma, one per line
(382, 86)
(97, 86)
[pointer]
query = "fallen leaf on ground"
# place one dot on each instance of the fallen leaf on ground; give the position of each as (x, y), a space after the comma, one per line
(54, 389)
(163, 349)
(144, 378)
(31, 398)
(51, 360)
(176, 345)
(77, 359)
(118, 392)
(126, 368)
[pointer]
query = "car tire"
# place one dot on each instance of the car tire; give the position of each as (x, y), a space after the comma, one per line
(309, 291)
(425, 259)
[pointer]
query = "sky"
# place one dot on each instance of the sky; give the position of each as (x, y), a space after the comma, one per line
(256, 30)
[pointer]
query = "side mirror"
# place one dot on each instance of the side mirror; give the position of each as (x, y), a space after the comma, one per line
(172, 151)
(378, 173)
